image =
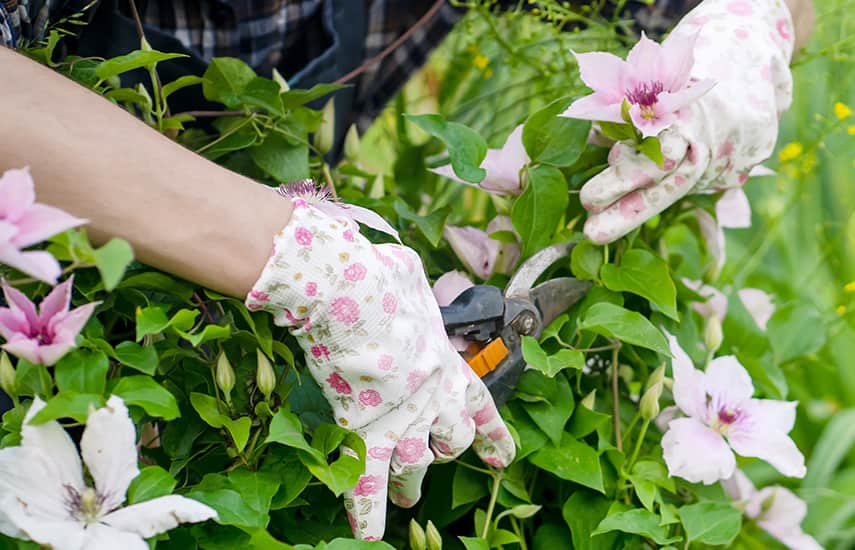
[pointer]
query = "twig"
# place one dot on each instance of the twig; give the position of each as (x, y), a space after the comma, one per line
(211, 114)
(141, 33)
(394, 45)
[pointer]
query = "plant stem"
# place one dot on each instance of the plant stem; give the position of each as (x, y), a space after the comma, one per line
(615, 396)
(519, 532)
(639, 440)
(494, 494)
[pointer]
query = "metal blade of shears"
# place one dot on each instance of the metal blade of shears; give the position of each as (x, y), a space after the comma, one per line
(530, 271)
(556, 296)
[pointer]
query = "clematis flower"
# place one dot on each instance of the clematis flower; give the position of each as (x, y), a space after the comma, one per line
(322, 198)
(44, 497)
(23, 223)
(502, 166)
(481, 254)
(654, 79)
(758, 303)
(45, 336)
(722, 417)
(775, 509)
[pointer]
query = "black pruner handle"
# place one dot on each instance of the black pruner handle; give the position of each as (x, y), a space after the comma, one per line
(476, 315)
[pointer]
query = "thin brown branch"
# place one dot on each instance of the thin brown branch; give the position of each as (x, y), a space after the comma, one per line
(394, 45)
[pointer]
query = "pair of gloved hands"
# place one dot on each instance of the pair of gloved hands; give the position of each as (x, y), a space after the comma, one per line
(372, 331)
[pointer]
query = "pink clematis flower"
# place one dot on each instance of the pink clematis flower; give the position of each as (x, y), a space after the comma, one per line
(775, 509)
(722, 417)
(322, 198)
(24, 222)
(654, 79)
(42, 337)
(481, 254)
(502, 166)
(759, 304)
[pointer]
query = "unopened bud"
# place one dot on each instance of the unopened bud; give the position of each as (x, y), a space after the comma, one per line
(712, 334)
(280, 80)
(588, 401)
(225, 376)
(418, 540)
(434, 540)
(351, 143)
(326, 132)
(7, 375)
(265, 377)
(649, 406)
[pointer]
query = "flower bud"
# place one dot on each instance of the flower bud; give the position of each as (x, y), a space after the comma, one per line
(265, 377)
(712, 334)
(225, 376)
(418, 541)
(325, 134)
(7, 375)
(649, 406)
(351, 143)
(434, 540)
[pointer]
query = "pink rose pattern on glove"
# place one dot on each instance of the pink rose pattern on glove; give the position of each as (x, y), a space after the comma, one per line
(375, 343)
(745, 47)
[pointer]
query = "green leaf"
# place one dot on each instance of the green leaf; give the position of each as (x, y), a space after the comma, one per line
(158, 282)
(466, 147)
(538, 211)
(795, 331)
(474, 543)
(141, 358)
(586, 258)
(642, 273)
(152, 482)
(550, 365)
(129, 95)
(552, 139)
(652, 149)
(627, 326)
(713, 523)
(179, 83)
(144, 392)
(225, 80)
(264, 93)
(582, 512)
(467, 486)
(430, 226)
(572, 460)
(344, 472)
(549, 402)
(68, 405)
(82, 371)
(295, 98)
(208, 409)
(111, 260)
(210, 332)
(256, 488)
(831, 449)
(281, 159)
(239, 430)
(286, 429)
(638, 522)
(617, 131)
(134, 60)
(232, 508)
(151, 320)
(585, 421)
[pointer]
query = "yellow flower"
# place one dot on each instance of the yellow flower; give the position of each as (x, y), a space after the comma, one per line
(488, 73)
(841, 110)
(850, 287)
(841, 310)
(851, 130)
(791, 151)
(481, 61)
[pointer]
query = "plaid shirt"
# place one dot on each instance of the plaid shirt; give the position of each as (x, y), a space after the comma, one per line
(298, 36)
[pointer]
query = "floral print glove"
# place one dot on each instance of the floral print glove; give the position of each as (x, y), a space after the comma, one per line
(745, 47)
(375, 342)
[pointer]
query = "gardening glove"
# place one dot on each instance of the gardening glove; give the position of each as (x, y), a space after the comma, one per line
(375, 342)
(745, 47)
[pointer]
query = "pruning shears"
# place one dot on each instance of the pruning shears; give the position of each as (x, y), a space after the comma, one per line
(494, 322)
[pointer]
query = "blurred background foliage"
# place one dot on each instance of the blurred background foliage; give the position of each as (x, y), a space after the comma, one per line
(495, 69)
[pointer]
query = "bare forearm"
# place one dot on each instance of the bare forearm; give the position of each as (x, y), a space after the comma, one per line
(804, 19)
(180, 212)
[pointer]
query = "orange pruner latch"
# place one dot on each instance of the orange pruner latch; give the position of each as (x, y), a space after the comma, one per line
(485, 360)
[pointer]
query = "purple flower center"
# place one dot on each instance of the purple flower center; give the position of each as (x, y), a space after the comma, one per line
(307, 190)
(728, 416)
(646, 95)
(42, 335)
(86, 506)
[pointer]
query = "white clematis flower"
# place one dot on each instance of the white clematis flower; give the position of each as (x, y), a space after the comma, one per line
(775, 509)
(44, 498)
(722, 417)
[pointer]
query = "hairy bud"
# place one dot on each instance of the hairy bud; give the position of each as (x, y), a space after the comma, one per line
(225, 376)
(265, 377)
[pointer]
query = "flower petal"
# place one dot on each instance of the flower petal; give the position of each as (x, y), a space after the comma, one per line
(13, 323)
(688, 386)
(503, 165)
(104, 537)
(508, 253)
(756, 435)
(672, 102)
(759, 305)
(678, 58)
(41, 221)
(733, 209)
(449, 286)
(50, 354)
(109, 449)
(643, 60)
(604, 73)
(50, 439)
(595, 107)
(159, 515)
(18, 301)
(67, 326)
(653, 126)
(56, 302)
(52, 532)
(17, 193)
(25, 348)
(370, 218)
(474, 247)
(714, 239)
(38, 264)
(781, 513)
(728, 383)
(696, 453)
(739, 487)
(666, 416)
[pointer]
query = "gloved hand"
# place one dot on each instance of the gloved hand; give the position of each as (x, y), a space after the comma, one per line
(375, 342)
(745, 47)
